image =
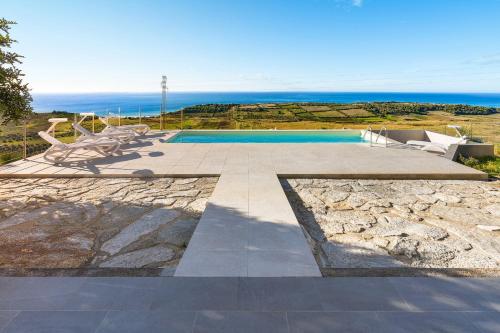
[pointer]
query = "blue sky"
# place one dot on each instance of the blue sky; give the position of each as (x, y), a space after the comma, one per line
(258, 45)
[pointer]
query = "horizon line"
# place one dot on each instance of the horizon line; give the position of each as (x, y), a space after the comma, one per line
(267, 91)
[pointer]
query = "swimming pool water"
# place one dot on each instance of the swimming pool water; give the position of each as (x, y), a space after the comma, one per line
(341, 136)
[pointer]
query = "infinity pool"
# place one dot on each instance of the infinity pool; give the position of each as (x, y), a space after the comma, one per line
(270, 136)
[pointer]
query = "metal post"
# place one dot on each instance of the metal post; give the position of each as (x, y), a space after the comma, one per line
(25, 139)
(119, 116)
(75, 121)
(163, 106)
(140, 116)
(93, 122)
(161, 121)
(165, 103)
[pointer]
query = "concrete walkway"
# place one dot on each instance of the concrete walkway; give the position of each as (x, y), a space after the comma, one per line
(261, 305)
(248, 229)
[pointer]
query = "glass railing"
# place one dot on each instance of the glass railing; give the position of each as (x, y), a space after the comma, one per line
(21, 140)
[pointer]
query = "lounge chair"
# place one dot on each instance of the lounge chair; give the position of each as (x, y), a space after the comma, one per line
(122, 136)
(139, 129)
(434, 147)
(59, 151)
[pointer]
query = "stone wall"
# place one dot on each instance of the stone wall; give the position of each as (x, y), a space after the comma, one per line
(381, 223)
(106, 223)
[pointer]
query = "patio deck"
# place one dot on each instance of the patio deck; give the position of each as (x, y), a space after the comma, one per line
(153, 157)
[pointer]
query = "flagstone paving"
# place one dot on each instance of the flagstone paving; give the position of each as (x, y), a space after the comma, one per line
(98, 223)
(399, 223)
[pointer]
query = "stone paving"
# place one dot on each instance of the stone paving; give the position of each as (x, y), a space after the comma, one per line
(274, 305)
(395, 223)
(137, 223)
(99, 223)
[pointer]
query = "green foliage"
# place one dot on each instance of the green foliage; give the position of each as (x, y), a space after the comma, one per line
(306, 116)
(15, 97)
(490, 165)
(61, 114)
(472, 110)
(396, 108)
(9, 157)
(209, 108)
(357, 110)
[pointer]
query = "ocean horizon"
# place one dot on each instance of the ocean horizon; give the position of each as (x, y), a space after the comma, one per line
(149, 103)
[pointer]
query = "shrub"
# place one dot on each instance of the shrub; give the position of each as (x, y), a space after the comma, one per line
(490, 165)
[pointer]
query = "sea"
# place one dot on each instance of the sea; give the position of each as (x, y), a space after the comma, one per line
(148, 104)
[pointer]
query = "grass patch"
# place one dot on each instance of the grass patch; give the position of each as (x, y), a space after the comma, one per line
(356, 113)
(490, 165)
(315, 108)
(9, 157)
(333, 114)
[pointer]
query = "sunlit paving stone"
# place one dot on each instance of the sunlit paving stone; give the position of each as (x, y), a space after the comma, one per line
(98, 223)
(367, 224)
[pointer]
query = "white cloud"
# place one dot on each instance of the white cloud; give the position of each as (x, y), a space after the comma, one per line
(347, 3)
(492, 59)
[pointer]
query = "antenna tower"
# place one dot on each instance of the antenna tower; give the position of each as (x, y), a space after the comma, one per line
(163, 108)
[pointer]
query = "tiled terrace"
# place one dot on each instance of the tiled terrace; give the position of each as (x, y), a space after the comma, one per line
(153, 157)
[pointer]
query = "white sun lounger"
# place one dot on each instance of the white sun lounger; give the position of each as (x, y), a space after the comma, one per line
(434, 147)
(425, 143)
(139, 129)
(122, 136)
(59, 151)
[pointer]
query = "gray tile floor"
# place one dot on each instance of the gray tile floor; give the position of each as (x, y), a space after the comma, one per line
(162, 304)
(152, 156)
(245, 234)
